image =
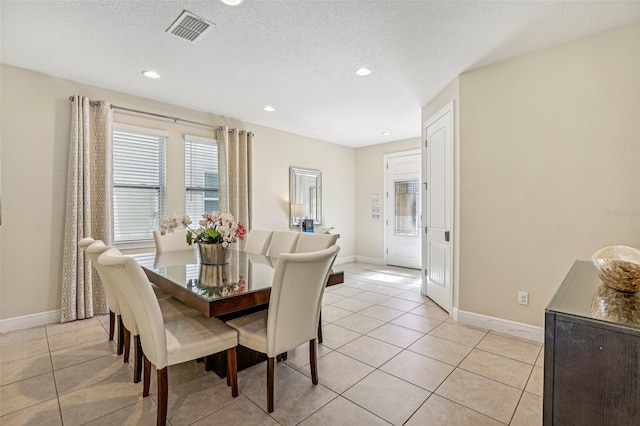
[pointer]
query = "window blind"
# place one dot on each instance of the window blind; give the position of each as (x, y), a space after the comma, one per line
(201, 176)
(138, 184)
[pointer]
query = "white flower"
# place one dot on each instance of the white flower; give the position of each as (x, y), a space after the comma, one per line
(228, 230)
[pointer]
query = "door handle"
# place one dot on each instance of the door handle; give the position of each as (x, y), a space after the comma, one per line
(446, 235)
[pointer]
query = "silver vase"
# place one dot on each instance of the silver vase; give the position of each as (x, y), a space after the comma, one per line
(214, 254)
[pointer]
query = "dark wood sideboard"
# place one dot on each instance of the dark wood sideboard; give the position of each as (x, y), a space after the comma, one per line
(591, 353)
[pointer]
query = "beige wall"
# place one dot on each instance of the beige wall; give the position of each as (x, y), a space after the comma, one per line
(549, 147)
(35, 136)
(369, 176)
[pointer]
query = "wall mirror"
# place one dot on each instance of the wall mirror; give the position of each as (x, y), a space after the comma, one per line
(305, 195)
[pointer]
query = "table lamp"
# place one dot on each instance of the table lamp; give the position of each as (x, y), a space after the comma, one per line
(301, 211)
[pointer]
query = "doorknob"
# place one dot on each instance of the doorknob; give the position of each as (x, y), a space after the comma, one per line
(446, 235)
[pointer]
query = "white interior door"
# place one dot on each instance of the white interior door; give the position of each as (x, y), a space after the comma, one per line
(403, 209)
(438, 277)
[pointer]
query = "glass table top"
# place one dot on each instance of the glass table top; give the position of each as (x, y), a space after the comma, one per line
(245, 272)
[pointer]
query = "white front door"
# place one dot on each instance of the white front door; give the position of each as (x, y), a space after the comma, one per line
(438, 277)
(403, 209)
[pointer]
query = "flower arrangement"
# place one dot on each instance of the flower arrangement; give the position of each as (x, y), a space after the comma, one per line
(215, 228)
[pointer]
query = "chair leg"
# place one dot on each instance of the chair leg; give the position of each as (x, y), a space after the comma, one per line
(146, 376)
(112, 323)
(320, 328)
(313, 360)
(163, 395)
(127, 345)
(120, 335)
(137, 362)
(270, 373)
(232, 371)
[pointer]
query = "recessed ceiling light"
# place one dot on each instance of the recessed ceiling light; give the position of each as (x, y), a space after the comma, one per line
(231, 2)
(386, 133)
(363, 71)
(150, 74)
(269, 108)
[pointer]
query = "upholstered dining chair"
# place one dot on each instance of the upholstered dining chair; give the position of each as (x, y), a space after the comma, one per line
(172, 241)
(257, 241)
(172, 342)
(308, 241)
(282, 242)
(112, 301)
(293, 313)
(171, 309)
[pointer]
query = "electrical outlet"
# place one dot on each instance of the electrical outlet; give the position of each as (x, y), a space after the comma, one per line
(523, 298)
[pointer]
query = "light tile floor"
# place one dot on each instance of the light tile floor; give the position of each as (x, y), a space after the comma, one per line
(390, 356)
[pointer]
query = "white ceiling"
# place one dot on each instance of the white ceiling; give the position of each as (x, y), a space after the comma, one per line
(299, 56)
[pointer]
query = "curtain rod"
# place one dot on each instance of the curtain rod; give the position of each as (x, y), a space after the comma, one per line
(153, 114)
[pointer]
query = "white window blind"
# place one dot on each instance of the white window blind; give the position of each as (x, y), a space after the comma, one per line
(201, 176)
(138, 183)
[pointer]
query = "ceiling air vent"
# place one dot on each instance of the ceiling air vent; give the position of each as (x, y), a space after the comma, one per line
(189, 26)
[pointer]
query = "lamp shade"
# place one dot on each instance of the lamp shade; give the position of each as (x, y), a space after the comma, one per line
(301, 210)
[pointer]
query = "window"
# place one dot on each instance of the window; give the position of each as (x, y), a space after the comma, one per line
(406, 212)
(201, 176)
(138, 183)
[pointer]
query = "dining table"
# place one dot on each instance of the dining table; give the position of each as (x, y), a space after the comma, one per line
(225, 291)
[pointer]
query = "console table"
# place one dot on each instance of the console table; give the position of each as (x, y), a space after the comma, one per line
(591, 353)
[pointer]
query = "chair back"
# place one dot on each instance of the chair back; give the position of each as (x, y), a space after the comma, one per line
(94, 251)
(172, 241)
(175, 258)
(308, 242)
(258, 241)
(98, 248)
(260, 259)
(132, 283)
(282, 242)
(296, 296)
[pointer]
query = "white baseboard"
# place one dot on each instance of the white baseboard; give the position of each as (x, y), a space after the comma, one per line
(500, 325)
(372, 260)
(345, 259)
(28, 321)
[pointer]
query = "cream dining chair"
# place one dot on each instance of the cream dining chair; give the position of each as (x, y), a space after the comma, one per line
(171, 309)
(293, 313)
(258, 241)
(309, 241)
(282, 242)
(172, 342)
(112, 301)
(172, 240)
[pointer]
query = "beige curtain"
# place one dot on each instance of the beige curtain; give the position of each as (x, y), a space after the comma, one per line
(234, 158)
(234, 154)
(89, 210)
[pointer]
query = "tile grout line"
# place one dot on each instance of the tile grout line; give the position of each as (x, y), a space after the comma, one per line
(488, 378)
(53, 374)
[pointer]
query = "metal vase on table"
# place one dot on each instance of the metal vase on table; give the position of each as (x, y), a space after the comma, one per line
(214, 254)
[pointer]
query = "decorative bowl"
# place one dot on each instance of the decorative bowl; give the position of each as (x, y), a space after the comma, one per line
(618, 267)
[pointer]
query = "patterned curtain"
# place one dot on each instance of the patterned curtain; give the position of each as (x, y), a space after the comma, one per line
(89, 210)
(234, 158)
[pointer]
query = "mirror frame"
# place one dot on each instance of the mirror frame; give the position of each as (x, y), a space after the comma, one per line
(294, 174)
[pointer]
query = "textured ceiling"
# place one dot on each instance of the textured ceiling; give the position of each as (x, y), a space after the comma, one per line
(299, 56)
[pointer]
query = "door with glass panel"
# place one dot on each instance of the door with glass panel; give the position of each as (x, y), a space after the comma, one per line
(403, 246)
